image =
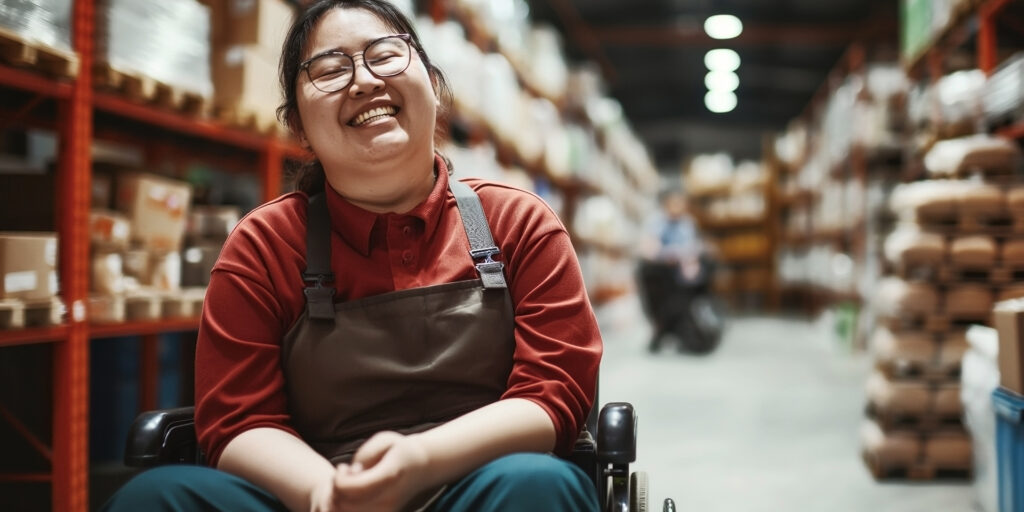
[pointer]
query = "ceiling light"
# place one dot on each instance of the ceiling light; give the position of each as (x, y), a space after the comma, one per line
(722, 59)
(721, 81)
(723, 26)
(720, 102)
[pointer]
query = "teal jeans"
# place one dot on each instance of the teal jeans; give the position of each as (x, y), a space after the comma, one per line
(527, 482)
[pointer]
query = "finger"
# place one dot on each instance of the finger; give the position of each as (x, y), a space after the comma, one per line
(370, 453)
(366, 485)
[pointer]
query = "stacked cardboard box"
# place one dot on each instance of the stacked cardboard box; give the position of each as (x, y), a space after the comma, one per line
(136, 250)
(28, 280)
(247, 39)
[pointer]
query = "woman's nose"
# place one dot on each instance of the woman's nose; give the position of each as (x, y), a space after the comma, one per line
(363, 81)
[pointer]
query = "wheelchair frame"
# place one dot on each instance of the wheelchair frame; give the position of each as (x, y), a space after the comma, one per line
(168, 436)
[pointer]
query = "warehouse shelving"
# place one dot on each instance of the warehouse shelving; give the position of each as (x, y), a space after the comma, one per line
(82, 114)
(77, 106)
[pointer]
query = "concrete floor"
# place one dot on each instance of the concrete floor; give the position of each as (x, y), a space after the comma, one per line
(768, 422)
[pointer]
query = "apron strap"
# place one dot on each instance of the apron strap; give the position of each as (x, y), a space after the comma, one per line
(318, 276)
(481, 244)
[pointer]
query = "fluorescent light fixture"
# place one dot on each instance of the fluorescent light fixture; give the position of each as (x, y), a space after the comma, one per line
(723, 26)
(720, 102)
(721, 81)
(722, 59)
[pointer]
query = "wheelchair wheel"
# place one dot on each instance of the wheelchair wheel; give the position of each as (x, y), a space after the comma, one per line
(638, 497)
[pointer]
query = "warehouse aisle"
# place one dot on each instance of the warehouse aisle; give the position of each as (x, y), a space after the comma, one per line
(767, 423)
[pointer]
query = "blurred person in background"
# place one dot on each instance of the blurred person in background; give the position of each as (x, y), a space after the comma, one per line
(672, 236)
(674, 276)
(391, 363)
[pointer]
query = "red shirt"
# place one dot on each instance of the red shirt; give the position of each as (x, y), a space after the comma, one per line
(255, 295)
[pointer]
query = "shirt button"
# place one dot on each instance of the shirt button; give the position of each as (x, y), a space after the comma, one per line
(407, 257)
(407, 231)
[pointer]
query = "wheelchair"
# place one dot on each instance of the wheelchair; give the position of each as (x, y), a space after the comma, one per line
(684, 308)
(168, 436)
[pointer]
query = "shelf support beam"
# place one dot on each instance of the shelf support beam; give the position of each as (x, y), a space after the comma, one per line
(70, 489)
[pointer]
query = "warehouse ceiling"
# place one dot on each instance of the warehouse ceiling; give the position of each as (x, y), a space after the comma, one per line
(651, 54)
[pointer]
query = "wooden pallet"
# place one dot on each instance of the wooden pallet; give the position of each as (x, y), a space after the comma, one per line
(882, 469)
(938, 323)
(17, 50)
(911, 370)
(247, 120)
(143, 89)
(20, 314)
(924, 423)
(973, 223)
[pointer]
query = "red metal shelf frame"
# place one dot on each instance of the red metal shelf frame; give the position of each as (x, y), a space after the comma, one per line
(76, 104)
(29, 336)
(98, 331)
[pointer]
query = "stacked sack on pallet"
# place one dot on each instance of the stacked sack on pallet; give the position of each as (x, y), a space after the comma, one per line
(136, 260)
(957, 249)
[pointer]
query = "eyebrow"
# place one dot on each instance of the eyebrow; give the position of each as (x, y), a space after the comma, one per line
(338, 49)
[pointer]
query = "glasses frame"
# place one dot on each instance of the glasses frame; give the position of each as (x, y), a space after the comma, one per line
(404, 37)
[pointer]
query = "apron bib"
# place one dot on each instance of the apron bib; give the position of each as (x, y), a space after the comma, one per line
(406, 360)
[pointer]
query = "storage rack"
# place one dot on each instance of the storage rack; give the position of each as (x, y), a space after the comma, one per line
(82, 114)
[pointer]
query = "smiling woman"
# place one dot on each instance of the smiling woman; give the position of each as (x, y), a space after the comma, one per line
(388, 337)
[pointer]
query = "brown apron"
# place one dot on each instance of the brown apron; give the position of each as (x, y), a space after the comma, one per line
(404, 361)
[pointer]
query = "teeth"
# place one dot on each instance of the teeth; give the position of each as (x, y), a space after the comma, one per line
(373, 113)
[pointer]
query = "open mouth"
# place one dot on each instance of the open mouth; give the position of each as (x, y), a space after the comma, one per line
(374, 114)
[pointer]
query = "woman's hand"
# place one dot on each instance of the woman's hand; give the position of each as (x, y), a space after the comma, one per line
(386, 472)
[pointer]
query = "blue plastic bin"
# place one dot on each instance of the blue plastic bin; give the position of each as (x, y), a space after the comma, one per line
(1009, 408)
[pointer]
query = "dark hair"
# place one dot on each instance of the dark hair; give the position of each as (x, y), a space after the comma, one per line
(310, 177)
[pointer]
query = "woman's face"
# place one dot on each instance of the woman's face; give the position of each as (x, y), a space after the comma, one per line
(335, 124)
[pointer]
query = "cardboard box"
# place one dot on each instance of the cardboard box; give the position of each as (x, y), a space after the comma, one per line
(108, 230)
(258, 22)
(1009, 322)
(157, 207)
(28, 265)
(241, 83)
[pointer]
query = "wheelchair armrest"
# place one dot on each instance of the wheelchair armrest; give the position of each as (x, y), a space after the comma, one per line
(165, 436)
(616, 434)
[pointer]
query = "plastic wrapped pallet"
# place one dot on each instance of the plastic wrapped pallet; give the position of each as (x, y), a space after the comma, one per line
(979, 378)
(43, 21)
(168, 41)
(981, 199)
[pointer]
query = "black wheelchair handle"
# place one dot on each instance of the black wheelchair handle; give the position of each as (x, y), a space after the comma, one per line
(616, 434)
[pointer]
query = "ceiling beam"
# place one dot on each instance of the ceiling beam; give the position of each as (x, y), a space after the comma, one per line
(804, 34)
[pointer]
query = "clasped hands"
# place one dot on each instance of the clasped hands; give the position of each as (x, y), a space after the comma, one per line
(385, 473)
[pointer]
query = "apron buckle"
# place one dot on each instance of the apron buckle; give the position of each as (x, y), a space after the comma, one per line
(319, 298)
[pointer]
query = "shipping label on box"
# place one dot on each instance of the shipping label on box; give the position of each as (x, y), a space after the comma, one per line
(1009, 320)
(28, 265)
(108, 231)
(157, 207)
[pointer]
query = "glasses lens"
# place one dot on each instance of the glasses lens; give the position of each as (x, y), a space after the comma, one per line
(388, 56)
(332, 72)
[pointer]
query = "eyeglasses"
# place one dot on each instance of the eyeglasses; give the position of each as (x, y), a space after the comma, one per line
(384, 57)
